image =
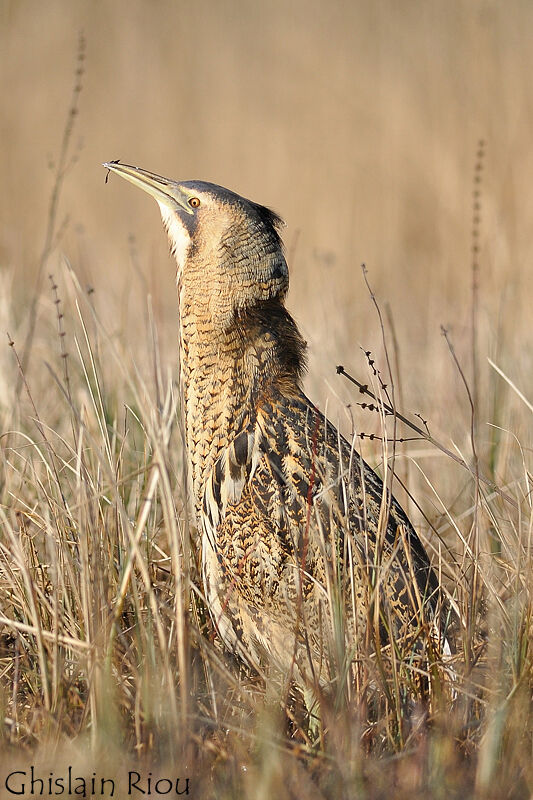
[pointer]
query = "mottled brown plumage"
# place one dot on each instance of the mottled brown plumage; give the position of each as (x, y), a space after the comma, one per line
(305, 561)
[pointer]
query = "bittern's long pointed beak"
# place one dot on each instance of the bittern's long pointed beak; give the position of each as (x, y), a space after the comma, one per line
(165, 191)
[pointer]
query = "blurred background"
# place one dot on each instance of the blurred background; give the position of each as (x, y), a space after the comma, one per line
(358, 122)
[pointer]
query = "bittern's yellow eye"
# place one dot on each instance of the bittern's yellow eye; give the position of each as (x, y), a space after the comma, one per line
(194, 202)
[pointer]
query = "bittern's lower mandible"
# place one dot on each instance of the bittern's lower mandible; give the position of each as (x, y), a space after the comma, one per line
(306, 563)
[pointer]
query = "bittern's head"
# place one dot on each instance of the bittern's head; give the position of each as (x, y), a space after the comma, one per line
(228, 250)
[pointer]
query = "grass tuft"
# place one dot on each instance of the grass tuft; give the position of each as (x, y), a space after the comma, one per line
(105, 640)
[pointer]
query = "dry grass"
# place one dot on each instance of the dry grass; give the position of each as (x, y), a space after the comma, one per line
(106, 643)
(107, 655)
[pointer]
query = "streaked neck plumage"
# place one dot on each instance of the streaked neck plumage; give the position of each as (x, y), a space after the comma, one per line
(227, 373)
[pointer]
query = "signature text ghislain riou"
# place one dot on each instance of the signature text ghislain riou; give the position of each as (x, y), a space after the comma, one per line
(30, 783)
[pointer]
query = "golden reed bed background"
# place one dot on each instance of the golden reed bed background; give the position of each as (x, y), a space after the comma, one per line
(360, 124)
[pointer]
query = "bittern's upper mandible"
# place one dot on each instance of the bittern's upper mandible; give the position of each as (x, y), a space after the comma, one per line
(294, 524)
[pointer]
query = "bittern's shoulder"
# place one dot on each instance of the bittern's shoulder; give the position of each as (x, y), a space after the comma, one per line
(284, 458)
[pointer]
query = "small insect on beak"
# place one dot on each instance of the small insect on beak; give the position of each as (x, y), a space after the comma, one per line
(166, 192)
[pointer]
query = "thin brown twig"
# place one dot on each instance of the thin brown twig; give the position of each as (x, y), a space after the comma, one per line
(363, 388)
(64, 162)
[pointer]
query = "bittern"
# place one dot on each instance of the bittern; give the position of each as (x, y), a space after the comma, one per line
(307, 562)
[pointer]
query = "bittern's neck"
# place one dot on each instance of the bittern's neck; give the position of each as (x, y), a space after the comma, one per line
(226, 374)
